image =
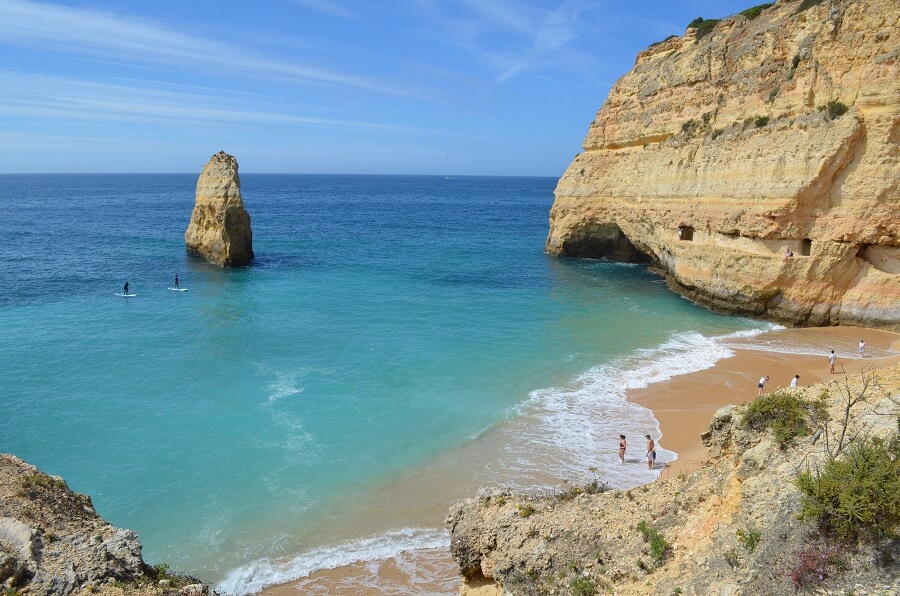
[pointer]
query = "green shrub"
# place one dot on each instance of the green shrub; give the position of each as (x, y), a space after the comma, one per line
(689, 126)
(835, 109)
(717, 133)
(658, 545)
(752, 13)
(783, 413)
(773, 94)
(526, 510)
(795, 62)
(748, 121)
(808, 4)
(761, 121)
(706, 26)
(857, 494)
(662, 41)
(695, 23)
(583, 586)
(749, 539)
(38, 481)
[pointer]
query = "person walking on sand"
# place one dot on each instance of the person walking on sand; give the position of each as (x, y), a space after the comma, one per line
(862, 348)
(651, 453)
(832, 358)
(794, 382)
(761, 384)
(623, 445)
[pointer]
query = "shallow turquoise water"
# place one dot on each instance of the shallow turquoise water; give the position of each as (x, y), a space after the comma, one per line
(385, 321)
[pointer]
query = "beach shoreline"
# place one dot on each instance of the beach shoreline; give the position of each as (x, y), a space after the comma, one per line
(683, 405)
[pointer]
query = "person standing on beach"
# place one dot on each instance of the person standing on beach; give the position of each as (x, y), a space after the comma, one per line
(761, 384)
(622, 446)
(651, 453)
(862, 348)
(831, 360)
(794, 382)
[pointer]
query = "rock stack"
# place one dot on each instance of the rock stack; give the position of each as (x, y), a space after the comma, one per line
(220, 226)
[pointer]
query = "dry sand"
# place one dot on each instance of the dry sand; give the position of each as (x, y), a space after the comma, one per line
(684, 406)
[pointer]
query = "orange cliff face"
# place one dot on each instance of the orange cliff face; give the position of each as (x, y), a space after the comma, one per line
(716, 156)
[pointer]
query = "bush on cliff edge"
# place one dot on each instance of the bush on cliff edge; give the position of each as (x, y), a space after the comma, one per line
(784, 414)
(857, 494)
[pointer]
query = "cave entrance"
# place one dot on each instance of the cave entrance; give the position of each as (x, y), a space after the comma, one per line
(805, 247)
(603, 241)
(686, 233)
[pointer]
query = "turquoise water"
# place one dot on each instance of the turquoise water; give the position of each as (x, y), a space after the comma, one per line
(387, 320)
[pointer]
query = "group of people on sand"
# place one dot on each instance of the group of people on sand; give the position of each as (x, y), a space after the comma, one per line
(832, 359)
(651, 450)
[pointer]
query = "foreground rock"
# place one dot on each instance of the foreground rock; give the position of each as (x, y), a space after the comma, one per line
(53, 542)
(721, 151)
(220, 226)
(731, 527)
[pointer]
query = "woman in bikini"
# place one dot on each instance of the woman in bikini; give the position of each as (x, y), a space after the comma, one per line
(622, 446)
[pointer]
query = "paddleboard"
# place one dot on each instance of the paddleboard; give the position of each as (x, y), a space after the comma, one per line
(126, 295)
(179, 289)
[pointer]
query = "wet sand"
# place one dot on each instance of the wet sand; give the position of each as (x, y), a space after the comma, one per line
(684, 406)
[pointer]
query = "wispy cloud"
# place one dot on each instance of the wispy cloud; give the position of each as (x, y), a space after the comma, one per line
(27, 95)
(326, 7)
(101, 33)
(511, 37)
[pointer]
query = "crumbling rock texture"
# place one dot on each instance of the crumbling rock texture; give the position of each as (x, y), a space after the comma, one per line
(714, 157)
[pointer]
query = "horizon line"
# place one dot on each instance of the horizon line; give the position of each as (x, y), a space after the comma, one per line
(275, 174)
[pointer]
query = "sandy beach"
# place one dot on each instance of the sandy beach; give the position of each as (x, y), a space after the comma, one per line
(684, 406)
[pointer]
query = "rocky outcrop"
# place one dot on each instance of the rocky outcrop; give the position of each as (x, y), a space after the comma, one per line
(220, 226)
(730, 528)
(722, 150)
(53, 542)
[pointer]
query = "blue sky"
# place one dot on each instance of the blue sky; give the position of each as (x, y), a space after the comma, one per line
(494, 87)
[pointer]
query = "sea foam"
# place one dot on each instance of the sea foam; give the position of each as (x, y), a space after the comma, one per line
(254, 577)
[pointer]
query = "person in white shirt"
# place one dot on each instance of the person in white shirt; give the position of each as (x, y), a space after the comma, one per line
(862, 348)
(832, 358)
(761, 384)
(794, 382)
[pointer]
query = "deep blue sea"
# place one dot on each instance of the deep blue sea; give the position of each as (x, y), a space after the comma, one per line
(387, 323)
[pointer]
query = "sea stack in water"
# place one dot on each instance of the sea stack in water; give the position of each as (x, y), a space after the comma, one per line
(220, 226)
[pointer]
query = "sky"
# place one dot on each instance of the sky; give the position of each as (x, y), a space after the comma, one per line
(446, 87)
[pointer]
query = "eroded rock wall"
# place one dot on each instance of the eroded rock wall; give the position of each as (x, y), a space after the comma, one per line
(724, 138)
(52, 542)
(219, 230)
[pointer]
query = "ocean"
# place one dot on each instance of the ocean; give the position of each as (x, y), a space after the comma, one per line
(398, 342)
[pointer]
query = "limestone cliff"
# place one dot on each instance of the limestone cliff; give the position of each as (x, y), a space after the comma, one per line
(220, 226)
(730, 528)
(53, 542)
(725, 148)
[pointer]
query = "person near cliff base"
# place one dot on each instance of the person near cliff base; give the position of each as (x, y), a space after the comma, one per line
(176, 281)
(862, 348)
(761, 384)
(832, 358)
(623, 445)
(651, 453)
(794, 382)
(125, 289)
